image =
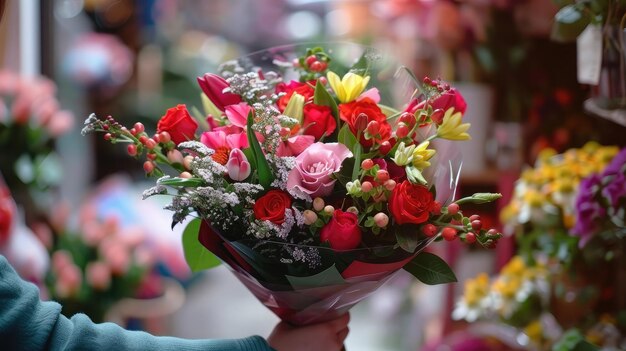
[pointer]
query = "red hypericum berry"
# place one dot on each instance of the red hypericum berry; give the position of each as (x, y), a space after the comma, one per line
(474, 217)
(476, 224)
(324, 66)
(139, 127)
(448, 233)
(470, 238)
(133, 131)
(429, 230)
(316, 66)
(385, 147)
(367, 164)
(105, 126)
(157, 137)
(382, 175)
(446, 86)
(436, 209)
(492, 233)
(440, 89)
(132, 149)
(323, 80)
(107, 136)
(164, 137)
(150, 144)
(151, 156)
(453, 209)
(143, 139)
(426, 80)
(310, 60)
(366, 187)
(408, 119)
(373, 127)
(402, 131)
(148, 166)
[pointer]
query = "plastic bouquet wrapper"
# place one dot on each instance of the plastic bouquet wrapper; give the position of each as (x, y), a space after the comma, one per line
(315, 174)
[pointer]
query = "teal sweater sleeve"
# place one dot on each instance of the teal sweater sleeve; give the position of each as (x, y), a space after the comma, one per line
(27, 323)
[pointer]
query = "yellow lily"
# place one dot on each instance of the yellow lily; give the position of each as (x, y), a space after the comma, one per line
(451, 128)
(349, 87)
(421, 156)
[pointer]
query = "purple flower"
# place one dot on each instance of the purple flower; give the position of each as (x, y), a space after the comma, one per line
(615, 189)
(616, 164)
(588, 210)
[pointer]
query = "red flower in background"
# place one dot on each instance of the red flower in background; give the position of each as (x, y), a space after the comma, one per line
(304, 89)
(179, 124)
(7, 213)
(342, 232)
(410, 203)
(358, 114)
(272, 206)
(318, 121)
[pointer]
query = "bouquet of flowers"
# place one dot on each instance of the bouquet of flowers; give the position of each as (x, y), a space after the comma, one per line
(305, 184)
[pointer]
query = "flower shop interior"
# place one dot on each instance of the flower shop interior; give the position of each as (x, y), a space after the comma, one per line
(545, 87)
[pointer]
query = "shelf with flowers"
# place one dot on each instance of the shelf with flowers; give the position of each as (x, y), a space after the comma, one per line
(310, 189)
(568, 216)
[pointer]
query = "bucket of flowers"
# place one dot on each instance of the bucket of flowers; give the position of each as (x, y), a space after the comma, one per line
(309, 188)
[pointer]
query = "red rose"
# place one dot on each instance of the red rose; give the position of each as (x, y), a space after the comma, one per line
(342, 232)
(304, 89)
(450, 98)
(179, 124)
(410, 203)
(272, 206)
(318, 121)
(357, 114)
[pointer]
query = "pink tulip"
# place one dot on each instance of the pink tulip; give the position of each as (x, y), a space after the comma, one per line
(372, 94)
(238, 114)
(238, 165)
(213, 87)
(295, 145)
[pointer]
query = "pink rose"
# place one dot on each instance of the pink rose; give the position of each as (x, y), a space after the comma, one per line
(314, 168)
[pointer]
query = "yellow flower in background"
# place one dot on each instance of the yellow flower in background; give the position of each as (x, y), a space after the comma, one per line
(421, 155)
(510, 212)
(451, 128)
(546, 155)
(534, 331)
(534, 198)
(515, 266)
(476, 289)
(349, 87)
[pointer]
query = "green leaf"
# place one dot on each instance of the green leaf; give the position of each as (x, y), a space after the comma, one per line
(406, 235)
(197, 256)
(329, 276)
(569, 22)
(430, 269)
(182, 182)
(263, 168)
(322, 97)
(358, 149)
(346, 137)
(389, 111)
(361, 66)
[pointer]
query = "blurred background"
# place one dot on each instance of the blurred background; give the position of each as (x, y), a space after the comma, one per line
(541, 77)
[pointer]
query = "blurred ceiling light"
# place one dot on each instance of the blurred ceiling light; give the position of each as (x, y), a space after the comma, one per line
(338, 23)
(303, 24)
(66, 9)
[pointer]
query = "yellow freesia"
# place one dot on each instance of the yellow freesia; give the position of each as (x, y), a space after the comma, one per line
(451, 128)
(421, 155)
(349, 87)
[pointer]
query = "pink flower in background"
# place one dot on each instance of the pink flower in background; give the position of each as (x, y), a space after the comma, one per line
(98, 275)
(213, 87)
(7, 213)
(69, 280)
(372, 94)
(314, 168)
(238, 165)
(450, 98)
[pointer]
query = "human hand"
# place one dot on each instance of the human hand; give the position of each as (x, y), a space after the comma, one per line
(328, 336)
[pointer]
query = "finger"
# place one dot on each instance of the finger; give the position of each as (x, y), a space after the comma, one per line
(341, 322)
(342, 335)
